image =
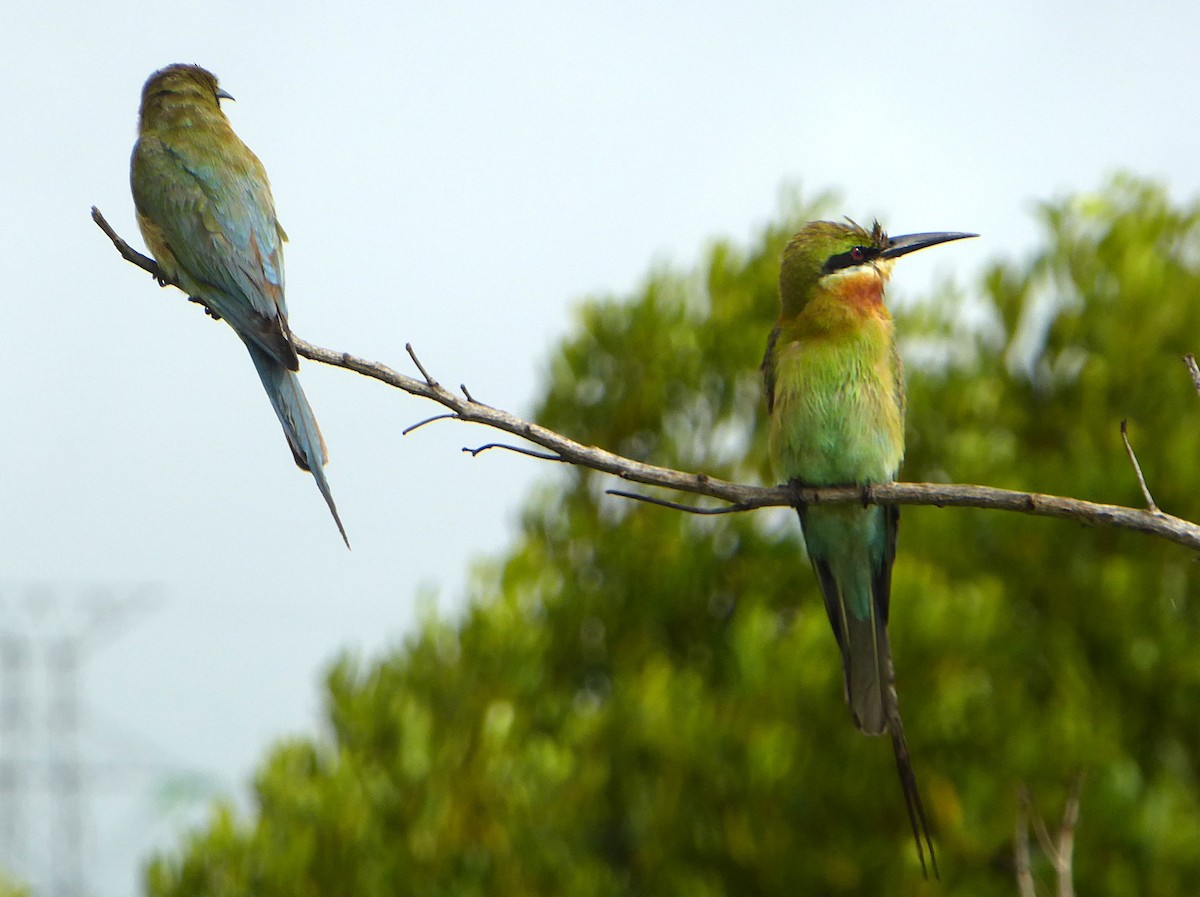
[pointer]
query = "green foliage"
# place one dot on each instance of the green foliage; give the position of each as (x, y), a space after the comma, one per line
(639, 701)
(10, 888)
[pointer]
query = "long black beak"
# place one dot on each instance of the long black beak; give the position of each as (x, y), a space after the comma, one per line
(898, 246)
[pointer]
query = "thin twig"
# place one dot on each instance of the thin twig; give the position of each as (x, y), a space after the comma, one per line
(1193, 369)
(1066, 840)
(545, 456)
(674, 505)
(561, 448)
(1137, 469)
(420, 367)
(428, 420)
(1059, 850)
(1025, 887)
(466, 392)
(128, 253)
(1043, 835)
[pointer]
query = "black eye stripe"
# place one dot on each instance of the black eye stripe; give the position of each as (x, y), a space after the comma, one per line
(858, 255)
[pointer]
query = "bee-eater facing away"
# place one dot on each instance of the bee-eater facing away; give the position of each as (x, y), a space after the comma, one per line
(205, 210)
(835, 394)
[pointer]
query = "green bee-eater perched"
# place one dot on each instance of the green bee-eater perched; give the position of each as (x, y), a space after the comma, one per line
(204, 207)
(835, 393)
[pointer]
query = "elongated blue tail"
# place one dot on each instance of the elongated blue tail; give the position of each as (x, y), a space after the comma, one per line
(852, 550)
(299, 423)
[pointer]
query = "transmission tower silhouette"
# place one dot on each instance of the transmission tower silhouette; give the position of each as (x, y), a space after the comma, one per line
(45, 633)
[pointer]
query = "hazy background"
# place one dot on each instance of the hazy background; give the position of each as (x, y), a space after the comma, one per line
(456, 176)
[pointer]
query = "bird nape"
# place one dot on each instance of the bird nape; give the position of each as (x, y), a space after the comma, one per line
(835, 395)
(205, 210)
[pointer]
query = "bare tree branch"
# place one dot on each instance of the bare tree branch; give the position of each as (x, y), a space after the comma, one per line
(1064, 854)
(1137, 468)
(1156, 523)
(128, 252)
(1193, 369)
(520, 450)
(674, 505)
(1049, 848)
(420, 367)
(1059, 851)
(559, 447)
(413, 427)
(1024, 867)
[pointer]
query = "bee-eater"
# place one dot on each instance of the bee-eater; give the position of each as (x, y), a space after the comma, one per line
(205, 210)
(835, 395)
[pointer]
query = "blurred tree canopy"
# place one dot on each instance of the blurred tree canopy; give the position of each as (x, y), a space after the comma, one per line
(639, 701)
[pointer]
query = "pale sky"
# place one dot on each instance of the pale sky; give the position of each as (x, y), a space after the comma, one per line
(457, 176)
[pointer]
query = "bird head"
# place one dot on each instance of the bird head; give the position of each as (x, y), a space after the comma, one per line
(824, 254)
(183, 85)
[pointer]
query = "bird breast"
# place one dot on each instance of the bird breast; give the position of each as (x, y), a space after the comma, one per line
(838, 415)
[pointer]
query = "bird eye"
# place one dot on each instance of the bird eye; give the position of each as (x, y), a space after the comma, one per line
(856, 255)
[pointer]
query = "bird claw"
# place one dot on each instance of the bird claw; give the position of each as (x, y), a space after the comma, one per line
(868, 494)
(798, 501)
(207, 308)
